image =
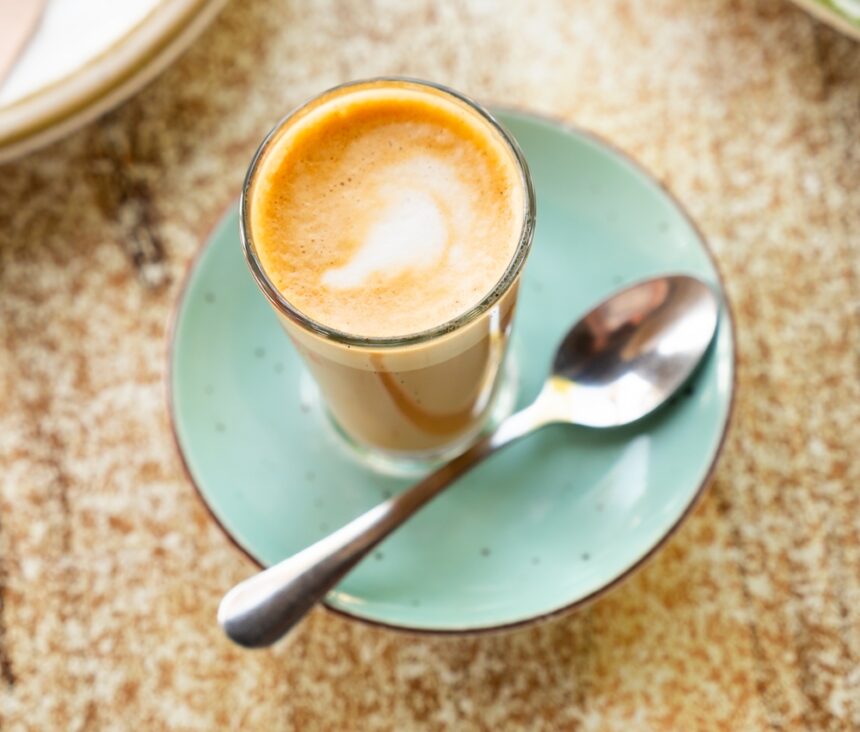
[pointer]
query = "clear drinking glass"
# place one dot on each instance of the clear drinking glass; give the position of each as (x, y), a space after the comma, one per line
(410, 400)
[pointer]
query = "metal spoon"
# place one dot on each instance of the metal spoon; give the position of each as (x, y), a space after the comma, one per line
(619, 363)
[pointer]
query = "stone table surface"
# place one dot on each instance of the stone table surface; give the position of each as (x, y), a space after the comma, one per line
(749, 619)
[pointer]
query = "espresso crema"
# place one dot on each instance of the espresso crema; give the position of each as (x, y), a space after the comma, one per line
(386, 211)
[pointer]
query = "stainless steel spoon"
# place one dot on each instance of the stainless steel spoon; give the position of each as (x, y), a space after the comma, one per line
(619, 363)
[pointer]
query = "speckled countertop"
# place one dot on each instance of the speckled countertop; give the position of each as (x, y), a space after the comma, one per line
(111, 570)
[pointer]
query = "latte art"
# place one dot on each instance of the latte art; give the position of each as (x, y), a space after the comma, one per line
(387, 211)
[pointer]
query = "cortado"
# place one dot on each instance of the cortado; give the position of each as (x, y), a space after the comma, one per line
(387, 222)
(387, 211)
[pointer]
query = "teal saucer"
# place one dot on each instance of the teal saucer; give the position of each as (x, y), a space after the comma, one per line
(541, 527)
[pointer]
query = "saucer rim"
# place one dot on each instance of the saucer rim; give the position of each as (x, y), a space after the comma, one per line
(582, 602)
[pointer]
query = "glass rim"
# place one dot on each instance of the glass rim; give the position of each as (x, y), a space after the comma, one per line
(494, 294)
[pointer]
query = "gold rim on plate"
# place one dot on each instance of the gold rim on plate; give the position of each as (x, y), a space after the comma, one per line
(108, 79)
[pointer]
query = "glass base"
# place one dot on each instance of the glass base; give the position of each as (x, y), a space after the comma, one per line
(415, 464)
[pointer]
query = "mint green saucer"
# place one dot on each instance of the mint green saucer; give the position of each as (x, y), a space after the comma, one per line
(544, 526)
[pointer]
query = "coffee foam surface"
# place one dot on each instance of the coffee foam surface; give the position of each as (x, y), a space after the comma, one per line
(410, 230)
(387, 212)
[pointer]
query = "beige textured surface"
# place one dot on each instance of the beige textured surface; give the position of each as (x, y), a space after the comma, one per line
(748, 620)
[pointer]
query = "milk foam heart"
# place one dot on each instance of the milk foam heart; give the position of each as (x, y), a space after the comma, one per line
(410, 233)
(387, 212)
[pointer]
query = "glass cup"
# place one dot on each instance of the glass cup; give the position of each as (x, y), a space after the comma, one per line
(405, 402)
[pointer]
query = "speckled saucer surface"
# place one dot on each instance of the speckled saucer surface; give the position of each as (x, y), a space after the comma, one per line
(541, 527)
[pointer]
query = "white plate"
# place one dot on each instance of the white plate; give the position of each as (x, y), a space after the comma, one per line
(843, 15)
(88, 56)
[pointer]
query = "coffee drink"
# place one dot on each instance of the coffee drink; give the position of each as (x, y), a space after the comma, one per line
(386, 211)
(387, 222)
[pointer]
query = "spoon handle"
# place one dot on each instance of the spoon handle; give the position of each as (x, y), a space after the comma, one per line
(259, 610)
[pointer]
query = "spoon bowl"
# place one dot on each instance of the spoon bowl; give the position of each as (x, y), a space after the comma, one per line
(632, 352)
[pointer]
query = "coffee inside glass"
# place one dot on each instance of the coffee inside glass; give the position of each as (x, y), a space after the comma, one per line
(387, 222)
